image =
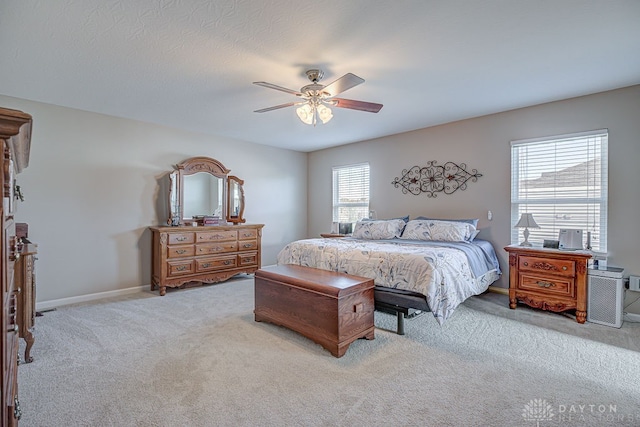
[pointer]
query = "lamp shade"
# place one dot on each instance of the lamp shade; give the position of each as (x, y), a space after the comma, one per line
(526, 221)
(306, 113)
(324, 113)
(312, 110)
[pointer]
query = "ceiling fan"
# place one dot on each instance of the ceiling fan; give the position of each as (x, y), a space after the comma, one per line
(317, 98)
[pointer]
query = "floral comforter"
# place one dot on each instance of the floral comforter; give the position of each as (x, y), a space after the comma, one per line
(442, 273)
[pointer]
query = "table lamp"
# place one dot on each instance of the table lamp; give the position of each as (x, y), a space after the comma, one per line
(526, 221)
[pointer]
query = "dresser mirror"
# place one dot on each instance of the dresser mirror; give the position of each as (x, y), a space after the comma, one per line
(201, 186)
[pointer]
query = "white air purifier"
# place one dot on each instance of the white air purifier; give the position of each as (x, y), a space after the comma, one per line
(605, 296)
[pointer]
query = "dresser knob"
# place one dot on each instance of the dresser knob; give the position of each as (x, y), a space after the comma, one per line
(525, 264)
(545, 284)
(564, 268)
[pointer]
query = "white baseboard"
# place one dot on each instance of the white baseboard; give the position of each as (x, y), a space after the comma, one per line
(497, 290)
(48, 305)
(631, 317)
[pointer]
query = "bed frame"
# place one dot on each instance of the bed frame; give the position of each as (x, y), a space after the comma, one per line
(404, 304)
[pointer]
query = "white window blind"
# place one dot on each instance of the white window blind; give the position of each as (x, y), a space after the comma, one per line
(562, 181)
(350, 192)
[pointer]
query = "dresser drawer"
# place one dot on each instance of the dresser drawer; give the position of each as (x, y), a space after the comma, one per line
(562, 267)
(180, 251)
(216, 236)
(217, 263)
(248, 259)
(180, 268)
(181, 238)
(549, 285)
(247, 245)
(216, 248)
(247, 234)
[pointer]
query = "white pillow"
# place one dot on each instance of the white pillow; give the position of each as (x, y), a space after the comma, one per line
(447, 231)
(417, 229)
(386, 229)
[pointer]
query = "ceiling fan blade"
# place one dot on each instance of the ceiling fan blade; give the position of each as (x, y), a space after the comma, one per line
(277, 107)
(356, 105)
(276, 87)
(345, 82)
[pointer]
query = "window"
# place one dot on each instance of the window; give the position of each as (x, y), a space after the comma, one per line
(350, 193)
(562, 181)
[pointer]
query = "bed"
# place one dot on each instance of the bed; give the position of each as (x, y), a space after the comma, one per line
(413, 264)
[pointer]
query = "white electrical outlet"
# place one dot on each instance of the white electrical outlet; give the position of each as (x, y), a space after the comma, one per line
(634, 283)
(372, 214)
(489, 215)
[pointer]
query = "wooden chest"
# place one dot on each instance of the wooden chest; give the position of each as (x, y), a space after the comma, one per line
(332, 309)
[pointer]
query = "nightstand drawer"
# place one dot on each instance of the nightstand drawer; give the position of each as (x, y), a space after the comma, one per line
(547, 285)
(562, 267)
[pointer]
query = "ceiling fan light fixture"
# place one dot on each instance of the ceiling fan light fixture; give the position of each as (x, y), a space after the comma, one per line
(318, 98)
(313, 110)
(306, 113)
(324, 113)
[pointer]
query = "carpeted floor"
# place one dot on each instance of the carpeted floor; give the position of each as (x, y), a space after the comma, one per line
(195, 357)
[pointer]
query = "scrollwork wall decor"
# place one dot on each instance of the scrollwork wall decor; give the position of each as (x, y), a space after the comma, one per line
(433, 178)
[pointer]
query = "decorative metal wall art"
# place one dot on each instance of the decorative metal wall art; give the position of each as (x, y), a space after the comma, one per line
(433, 179)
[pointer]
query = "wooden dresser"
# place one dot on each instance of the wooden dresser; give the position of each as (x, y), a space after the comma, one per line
(15, 134)
(549, 279)
(203, 254)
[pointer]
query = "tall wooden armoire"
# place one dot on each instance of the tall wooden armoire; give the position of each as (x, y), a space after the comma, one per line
(15, 135)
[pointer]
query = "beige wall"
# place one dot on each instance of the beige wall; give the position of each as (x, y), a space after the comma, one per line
(483, 143)
(91, 191)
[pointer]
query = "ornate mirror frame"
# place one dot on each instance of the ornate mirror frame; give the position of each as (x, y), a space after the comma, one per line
(211, 166)
(235, 200)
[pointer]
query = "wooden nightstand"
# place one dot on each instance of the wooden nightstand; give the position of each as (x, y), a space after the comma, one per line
(548, 279)
(332, 235)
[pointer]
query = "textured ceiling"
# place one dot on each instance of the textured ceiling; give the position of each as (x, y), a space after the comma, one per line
(189, 64)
